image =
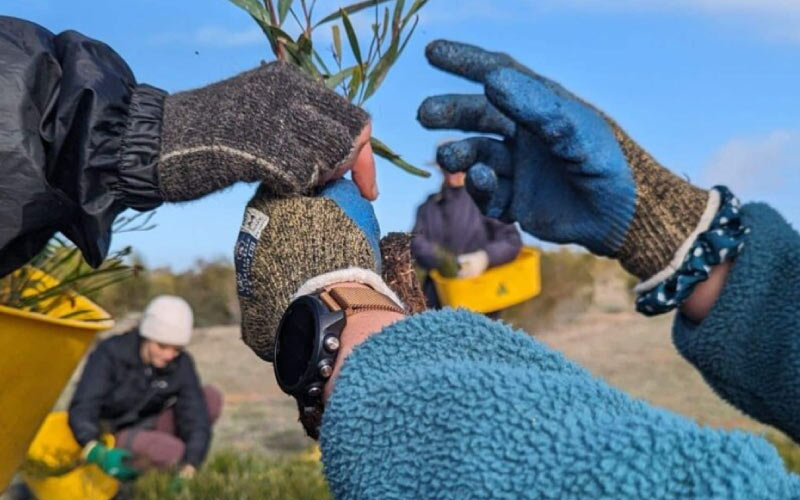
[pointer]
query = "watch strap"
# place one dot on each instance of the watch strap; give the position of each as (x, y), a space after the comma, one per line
(353, 300)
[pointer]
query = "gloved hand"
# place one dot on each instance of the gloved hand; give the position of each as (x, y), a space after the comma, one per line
(472, 264)
(446, 262)
(564, 170)
(309, 242)
(272, 124)
(112, 461)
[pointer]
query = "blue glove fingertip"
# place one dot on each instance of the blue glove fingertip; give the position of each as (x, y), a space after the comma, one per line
(491, 194)
(346, 195)
(455, 156)
(481, 181)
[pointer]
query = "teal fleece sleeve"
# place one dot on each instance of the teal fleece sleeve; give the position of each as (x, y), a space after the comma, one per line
(450, 405)
(748, 348)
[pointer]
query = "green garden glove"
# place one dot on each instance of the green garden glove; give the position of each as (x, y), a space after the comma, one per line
(112, 461)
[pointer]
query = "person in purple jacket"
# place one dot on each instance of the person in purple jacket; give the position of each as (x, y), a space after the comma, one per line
(450, 223)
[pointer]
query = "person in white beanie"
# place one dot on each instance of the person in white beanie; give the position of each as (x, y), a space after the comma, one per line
(143, 387)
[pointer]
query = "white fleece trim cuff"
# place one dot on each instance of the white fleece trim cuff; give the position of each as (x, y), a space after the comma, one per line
(702, 226)
(357, 274)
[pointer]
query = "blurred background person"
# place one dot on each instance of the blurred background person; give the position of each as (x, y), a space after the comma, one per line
(452, 235)
(143, 387)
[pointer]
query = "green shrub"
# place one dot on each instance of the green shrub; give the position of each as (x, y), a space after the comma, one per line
(209, 287)
(241, 477)
(567, 287)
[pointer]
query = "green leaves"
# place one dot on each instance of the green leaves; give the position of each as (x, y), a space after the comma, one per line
(283, 9)
(350, 9)
(351, 37)
(385, 152)
(28, 289)
(357, 75)
(333, 81)
(337, 43)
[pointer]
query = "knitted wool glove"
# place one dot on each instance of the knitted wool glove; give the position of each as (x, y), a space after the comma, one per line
(564, 170)
(271, 124)
(296, 245)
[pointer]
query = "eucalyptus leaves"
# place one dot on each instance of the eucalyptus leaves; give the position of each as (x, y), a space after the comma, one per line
(358, 73)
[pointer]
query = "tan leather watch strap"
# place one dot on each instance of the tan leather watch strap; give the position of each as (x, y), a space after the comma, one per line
(353, 300)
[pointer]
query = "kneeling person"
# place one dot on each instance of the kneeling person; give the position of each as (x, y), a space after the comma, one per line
(143, 387)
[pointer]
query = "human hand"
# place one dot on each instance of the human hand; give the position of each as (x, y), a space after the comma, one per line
(272, 124)
(112, 461)
(563, 169)
(300, 241)
(187, 471)
(472, 264)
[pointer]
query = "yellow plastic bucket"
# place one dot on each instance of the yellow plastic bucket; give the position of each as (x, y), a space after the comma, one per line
(498, 288)
(54, 469)
(38, 353)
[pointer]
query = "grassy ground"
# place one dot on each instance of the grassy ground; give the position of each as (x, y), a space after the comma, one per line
(584, 312)
(241, 476)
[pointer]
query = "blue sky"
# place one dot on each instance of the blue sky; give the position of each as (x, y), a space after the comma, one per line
(708, 86)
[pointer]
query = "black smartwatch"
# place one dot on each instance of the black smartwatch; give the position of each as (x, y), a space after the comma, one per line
(308, 337)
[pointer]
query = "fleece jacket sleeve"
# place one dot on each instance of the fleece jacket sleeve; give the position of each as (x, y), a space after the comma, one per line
(748, 347)
(448, 404)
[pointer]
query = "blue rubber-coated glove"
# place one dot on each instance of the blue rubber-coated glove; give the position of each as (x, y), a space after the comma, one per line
(286, 242)
(348, 198)
(564, 170)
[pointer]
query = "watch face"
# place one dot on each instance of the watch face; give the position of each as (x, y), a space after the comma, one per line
(295, 343)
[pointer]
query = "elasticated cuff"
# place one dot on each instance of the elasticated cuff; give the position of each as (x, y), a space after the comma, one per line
(140, 149)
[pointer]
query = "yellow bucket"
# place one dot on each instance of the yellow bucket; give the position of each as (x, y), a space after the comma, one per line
(498, 288)
(54, 470)
(38, 353)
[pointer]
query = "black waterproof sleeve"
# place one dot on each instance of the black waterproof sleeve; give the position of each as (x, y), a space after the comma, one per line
(192, 420)
(79, 140)
(94, 386)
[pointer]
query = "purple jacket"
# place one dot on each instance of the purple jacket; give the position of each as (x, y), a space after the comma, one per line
(451, 220)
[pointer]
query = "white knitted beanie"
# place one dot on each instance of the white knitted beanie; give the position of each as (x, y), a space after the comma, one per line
(167, 319)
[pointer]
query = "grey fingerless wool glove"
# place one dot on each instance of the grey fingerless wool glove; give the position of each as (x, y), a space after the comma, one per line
(272, 124)
(283, 243)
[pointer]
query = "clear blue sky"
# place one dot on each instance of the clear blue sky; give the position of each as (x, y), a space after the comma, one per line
(709, 86)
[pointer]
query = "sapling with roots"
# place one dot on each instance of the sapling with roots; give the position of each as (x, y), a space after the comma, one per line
(31, 287)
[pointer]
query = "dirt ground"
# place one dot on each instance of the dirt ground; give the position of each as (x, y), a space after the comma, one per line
(629, 351)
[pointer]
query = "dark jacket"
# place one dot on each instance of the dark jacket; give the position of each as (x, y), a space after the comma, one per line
(78, 141)
(116, 381)
(451, 220)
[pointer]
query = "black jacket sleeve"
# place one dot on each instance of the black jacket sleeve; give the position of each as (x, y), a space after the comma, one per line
(192, 420)
(79, 141)
(93, 387)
